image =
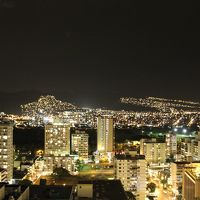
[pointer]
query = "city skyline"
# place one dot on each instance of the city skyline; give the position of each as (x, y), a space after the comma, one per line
(99, 100)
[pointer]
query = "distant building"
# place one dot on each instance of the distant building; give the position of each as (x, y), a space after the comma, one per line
(79, 144)
(51, 162)
(57, 139)
(105, 134)
(155, 152)
(186, 149)
(191, 182)
(6, 148)
(132, 173)
(171, 144)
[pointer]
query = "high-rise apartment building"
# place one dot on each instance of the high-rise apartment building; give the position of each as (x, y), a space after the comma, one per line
(57, 139)
(105, 134)
(171, 144)
(79, 144)
(132, 173)
(155, 152)
(6, 148)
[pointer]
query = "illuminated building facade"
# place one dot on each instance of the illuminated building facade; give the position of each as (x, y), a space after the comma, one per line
(105, 134)
(132, 173)
(155, 152)
(171, 142)
(177, 169)
(79, 144)
(57, 139)
(66, 162)
(6, 148)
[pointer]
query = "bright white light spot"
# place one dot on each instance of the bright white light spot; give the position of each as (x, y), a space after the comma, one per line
(184, 130)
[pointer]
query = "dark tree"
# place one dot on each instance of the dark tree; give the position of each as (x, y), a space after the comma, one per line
(151, 187)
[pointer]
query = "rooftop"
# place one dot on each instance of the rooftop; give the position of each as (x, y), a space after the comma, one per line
(107, 189)
(129, 157)
(43, 192)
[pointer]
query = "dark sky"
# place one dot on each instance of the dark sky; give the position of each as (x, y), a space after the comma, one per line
(100, 49)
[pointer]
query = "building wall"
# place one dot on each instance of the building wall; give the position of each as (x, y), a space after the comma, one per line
(85, 190)
(6, 149)
(177, 170)
(57, 139)
(155, 152)
(132, 174)
(2, 192)
(66, 162)
(79, 144)
(141, 185)
(24, 195)
(171, 143)
(188, 187)
(105, 134)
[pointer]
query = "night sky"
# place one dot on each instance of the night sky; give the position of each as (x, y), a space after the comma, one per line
(92, 51)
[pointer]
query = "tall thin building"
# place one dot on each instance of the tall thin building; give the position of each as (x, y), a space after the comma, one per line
(105, 134)
(6, 148)
(171, 144)
(57, 139)
(79, 144)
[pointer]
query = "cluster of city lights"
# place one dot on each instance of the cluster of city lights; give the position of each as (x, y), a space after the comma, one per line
(161, 104)
(45, 106)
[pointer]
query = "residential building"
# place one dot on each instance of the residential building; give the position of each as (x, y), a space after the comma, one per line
(79, 144)
(57, 139)
(131, 171)
(6, 148)
(171, 144)
(105, 134)
(155, 152)
(176, 170)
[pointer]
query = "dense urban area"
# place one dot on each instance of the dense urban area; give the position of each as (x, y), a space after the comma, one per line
(88, 153)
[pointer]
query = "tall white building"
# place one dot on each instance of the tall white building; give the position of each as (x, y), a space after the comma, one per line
(57, 139)
(132, 173)
(79, 144)
(105, 134)
(6, 148)
(171, 142)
